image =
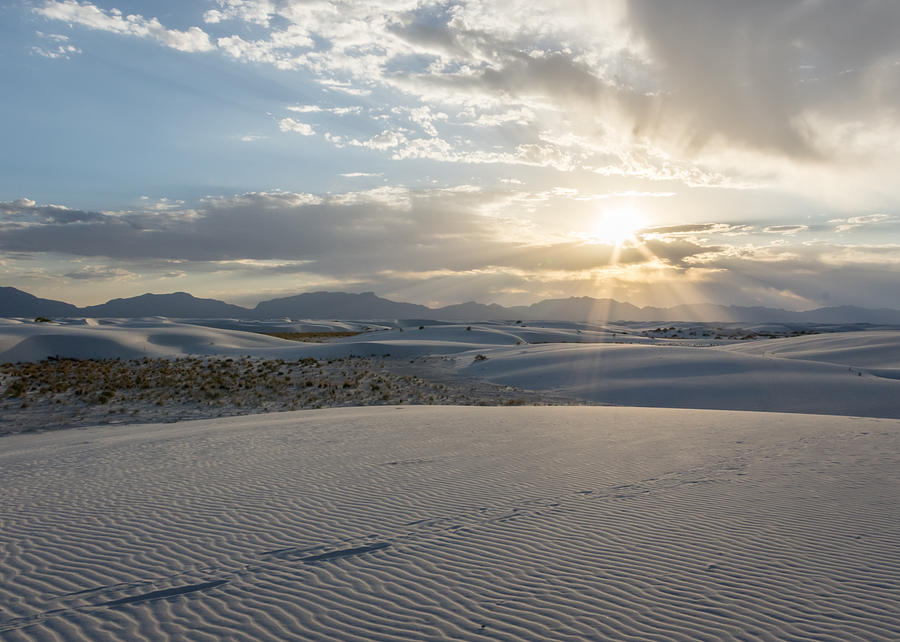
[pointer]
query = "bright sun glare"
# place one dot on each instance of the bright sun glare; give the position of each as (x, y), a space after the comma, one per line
(617, 226)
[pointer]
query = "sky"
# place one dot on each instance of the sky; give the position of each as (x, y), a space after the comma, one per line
(509, 151)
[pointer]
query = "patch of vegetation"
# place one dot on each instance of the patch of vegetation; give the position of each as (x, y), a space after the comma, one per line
(84, 391)
(311, 337)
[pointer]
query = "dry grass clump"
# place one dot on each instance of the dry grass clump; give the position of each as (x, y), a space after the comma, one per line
(311, 337)
(710, 332)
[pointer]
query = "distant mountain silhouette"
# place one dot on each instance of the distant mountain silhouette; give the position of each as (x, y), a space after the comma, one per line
(177, 304)
(346, 306)
(470, 311)
(15, 303)
(339, 305)
(584, 308)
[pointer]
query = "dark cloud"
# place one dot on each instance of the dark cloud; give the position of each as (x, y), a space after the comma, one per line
(436, 230)
(812, 278)
(437, 245)
(25, 210)
(747, 71)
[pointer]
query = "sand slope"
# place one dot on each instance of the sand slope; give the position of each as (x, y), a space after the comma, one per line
(455, 523)
(878, 352)
(690, 377)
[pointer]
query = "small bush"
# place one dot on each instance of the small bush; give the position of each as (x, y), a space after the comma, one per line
(480, 357)
(42, 320)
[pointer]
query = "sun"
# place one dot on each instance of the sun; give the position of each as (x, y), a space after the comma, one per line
(617, 226)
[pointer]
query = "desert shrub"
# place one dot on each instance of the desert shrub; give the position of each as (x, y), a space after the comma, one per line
(16, 388)
(42, 320)
(480, 357)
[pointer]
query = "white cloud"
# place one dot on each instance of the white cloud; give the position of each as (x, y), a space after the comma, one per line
(787, 230)
(393, 197)
(252, 11)
(314, 109)
(89, 15)
(60, 47)
(381, 142)
(854, 222)
(291, 125)
(623, 89)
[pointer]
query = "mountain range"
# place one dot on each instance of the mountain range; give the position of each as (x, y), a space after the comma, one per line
(368, 306)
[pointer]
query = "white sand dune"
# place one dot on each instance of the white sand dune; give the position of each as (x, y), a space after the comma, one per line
(850, 373)
(131, 338)
(876, 351)
(455, 523)
(685, 377)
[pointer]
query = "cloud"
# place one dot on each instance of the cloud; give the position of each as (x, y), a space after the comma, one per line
(440, 242)
(24, 211)
(252, 11)
(731, 95)
(785, 229)
(60, 51)
(357, 231)
(391, 236)
(291, 125)
(89, 15)
(853, 222)
(772, 66)
(59, 46)
(100, 273)
(694, 229)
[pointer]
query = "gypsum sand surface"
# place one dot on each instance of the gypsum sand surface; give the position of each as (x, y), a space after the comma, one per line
(459, 523)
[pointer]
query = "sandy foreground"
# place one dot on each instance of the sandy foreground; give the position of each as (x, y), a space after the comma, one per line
(462, 523)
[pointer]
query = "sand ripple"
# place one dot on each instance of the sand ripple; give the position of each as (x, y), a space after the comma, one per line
(455, 523)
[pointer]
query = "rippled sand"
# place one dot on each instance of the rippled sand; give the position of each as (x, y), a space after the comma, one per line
(416, 523)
